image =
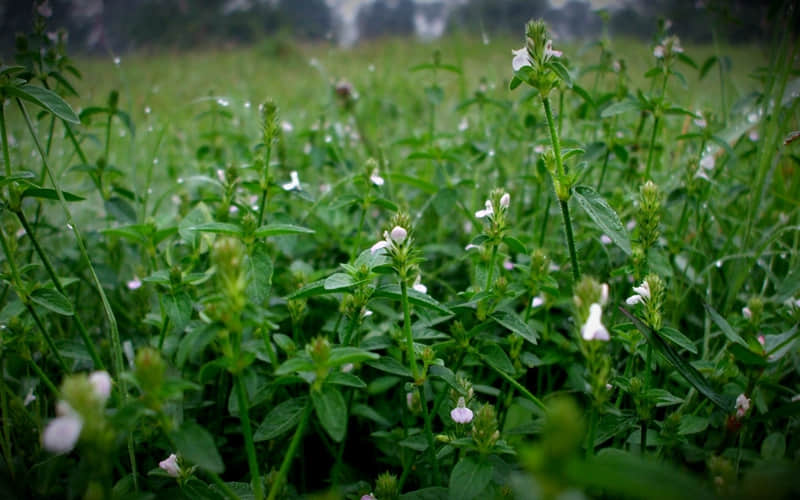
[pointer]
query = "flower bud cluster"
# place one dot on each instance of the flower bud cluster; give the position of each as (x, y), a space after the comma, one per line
(532, 62)
(485, 432)
(650, 293)
(649, 215)
(399, 245)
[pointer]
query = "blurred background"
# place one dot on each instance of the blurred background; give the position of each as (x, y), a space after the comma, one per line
(118, 26)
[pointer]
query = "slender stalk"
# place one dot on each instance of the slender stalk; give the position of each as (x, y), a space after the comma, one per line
(412, 356)
(224, 488)
(287, 459)
(656, 123)
(576, 273)
(525, 392)
(426, 416)
(592, 431)
(98, 363)
(6, 441)
(44, 378)
(116, 345)
(490, 274)
(6, 159)
(262, 204)
(247, 433)
(47, 337)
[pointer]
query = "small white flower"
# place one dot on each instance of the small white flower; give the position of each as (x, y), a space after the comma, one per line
(44, 9)
(136, 283)
(742, 405)
(762, 340)
(29, 398)
(101, 383)
(463, 124)
(634, 299)
(593, 329)
(221, 175)
(701, 174)
(604, 294)
(295, 182)
(418, 286)
(381, 244)
(521, 59)
(658, 51)
(324, 188)
(471, 246)
(286, 126)
(605, 239)
(375, 178)
(368, 497)
(747, 313)
(505, 200)
(616, 66)
(233, 209)
(549, 52)
(642, 294)
(700, 122)
(461, 414)
(170, 465)
(753, 135)
(368, 313)
(486, 212)
(508, 265)
(346, 368)
(62, 433)
(398, 234)
(537, 301)
(707, 162)
(538, 149)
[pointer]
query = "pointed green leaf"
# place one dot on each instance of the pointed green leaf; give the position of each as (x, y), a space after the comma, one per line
(281, 419)
(52, 300)
(603, 216)
(620, 107)
(331, 410)
(197, 447)
(723, 325)
(47, 99)
(219, 228)
(513, 322)
(258, 272)
(278, 229)
(470, 477)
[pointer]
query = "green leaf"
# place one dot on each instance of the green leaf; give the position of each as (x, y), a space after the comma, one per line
(338, 282)
(52, 300)
(179, 309)
(707, 66)
(561, 71)
(258, 272)
(47, 99)
(678, 338)
(692, 424)
(343, 355)
(297, 364)
(621, 107)
(469, 478)
(281, 419)
(50, 194)
(515, 245)
(688, 372)
(310, 290)
(346, 379)
(513, 322)
(430, 493)
(390, 365)
(331, 410)
(278, 229)
(496, 357)
(603, 216)
(197, 446)
(774, 446)
(392, 291)
(723, 325)
(219, 228)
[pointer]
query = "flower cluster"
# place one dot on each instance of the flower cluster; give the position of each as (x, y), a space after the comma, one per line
(86, 394)
(668, 47)
(533, 63)
(650, 293)
(742, 405)
(590, 297)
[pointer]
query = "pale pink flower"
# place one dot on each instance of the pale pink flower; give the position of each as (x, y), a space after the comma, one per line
(461, 414)
(593, 329)
(170, 465)
(742, 405)
(486, 212)
(101, 383)
(747, 313)
(294, 184)
(521, 59)
(505, 200)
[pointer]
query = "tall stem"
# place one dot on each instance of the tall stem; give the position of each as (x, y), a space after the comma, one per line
(287, 459)
(6, 416)
(576, 273)
(656, 123)
(247, 433)
(412, 356)
(490, 273)
(6, 159)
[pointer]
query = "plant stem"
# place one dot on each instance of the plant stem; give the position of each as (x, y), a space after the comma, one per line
(247, 433)
(525, 392)
(6, 416)
(412, 356)
(656, 123)
(3, 136)
(426, 416)
(490, 273)
(592, 431)
(116, 345)
(576, 273)
(224, 488)
(98, 363)
(287, 459)
(45, 379)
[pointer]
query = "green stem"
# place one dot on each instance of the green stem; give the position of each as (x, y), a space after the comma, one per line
(6, 158)
(6, 442)
(98, 363)
(426, 416)
(47, 338)
(116, 345)
(224, 488)
(412, 356)
(592, 431)
(44, 378)
(357, 246)
(525, 392)
(247, 433)
(576, 273)
(265, 186)
(287, 459)
(650, 156)
(490, 273)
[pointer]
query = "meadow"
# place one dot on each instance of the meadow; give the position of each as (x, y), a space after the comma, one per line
(402, 270)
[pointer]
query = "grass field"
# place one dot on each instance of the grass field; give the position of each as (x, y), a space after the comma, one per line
(294, 270)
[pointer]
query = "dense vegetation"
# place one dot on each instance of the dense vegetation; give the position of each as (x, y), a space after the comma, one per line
(401, 271)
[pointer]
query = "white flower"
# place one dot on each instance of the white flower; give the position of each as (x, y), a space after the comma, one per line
(753, 135)
(605, 239)
(381, 244)
(375, 178)
(642, 294)
(294, 184)
(537, 301)
(170, 465)
(398, 234)
(707, 162)
(368, 497)
(538, 149)
(616, 66)
(136, 283)
(463, 124)
(486, 212)
(700, 122)
(505, 200)
(604, 294)
(101, 383)
(461, 414)
(742, 405)
(593, 329)
(29, 398)
(762, 340)
(701, 174)
(549, 52)
(346, 368)
(62, 433)
(658, 51)
(418, 286)
(747, 313)
(44, 9)
(521, 59)
(508, 265)
(286, 126)
(471, 246)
